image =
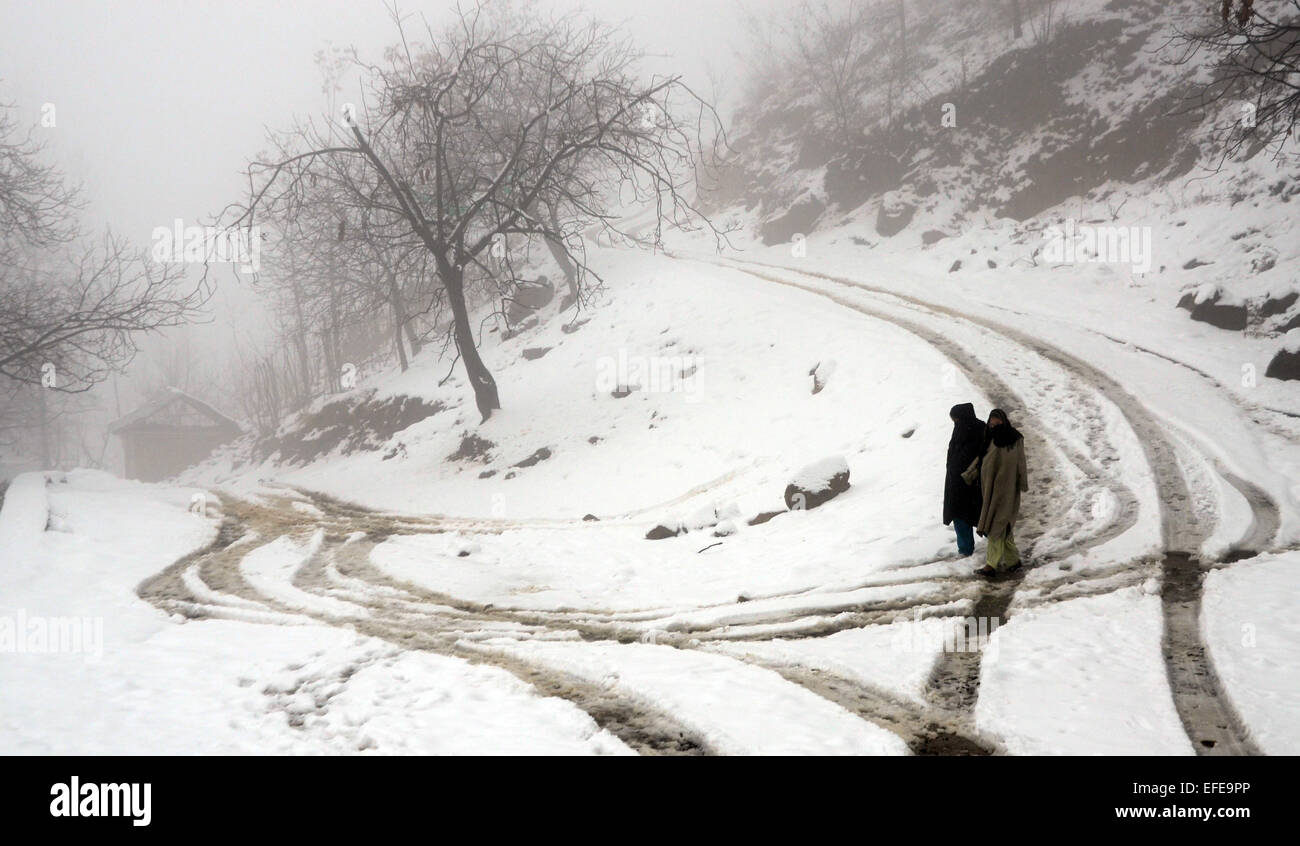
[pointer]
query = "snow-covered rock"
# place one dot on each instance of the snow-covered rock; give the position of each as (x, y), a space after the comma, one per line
(1286, 363)
(817, 483)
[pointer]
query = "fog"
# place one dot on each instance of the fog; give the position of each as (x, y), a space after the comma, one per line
(156, 108)
(612, 377)
(160, 103)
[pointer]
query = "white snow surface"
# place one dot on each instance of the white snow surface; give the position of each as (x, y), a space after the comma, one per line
(1083, 677)
(707, 447)
(1254, 637)
(157, 686)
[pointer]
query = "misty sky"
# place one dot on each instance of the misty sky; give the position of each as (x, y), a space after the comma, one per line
(159, 105)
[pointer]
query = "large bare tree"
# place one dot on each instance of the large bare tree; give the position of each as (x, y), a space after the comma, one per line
(501, 127)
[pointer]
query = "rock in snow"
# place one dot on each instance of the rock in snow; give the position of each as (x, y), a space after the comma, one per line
(817, 483)
(1286, 364)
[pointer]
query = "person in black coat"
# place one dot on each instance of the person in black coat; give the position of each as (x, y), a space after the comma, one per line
(962, 502)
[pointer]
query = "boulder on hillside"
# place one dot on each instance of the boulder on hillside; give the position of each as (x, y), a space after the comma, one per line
(799, 219)
(1278, 303)
(817, 484)
(662, 533)
(894, 215)
(528, 298)
(1286, 364)
(1210, 305)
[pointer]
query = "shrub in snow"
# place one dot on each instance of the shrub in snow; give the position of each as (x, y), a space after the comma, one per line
(1286, 364)
(817, 483)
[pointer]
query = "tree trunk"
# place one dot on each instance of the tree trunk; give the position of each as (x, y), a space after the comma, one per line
(453, 280)
(1016, 20)
(400, 314)
(485, 387)
(336, 341)
(42, 409)
(902, 39)
(397, 338)
(300, 341)
(561, 257)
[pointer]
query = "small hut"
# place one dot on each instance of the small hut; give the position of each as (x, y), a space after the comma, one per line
(169, 433)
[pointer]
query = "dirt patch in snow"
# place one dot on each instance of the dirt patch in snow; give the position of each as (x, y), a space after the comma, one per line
(355, 424)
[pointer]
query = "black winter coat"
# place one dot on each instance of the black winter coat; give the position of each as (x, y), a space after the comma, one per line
(960, 500)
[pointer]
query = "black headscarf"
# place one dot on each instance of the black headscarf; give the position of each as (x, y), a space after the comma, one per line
(963, 413)
(967, 436)
(1004, 436)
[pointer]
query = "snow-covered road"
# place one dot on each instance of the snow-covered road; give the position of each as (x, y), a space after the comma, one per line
(1102, 645)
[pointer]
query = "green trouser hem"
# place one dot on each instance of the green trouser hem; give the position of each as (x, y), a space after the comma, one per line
(1002, 552)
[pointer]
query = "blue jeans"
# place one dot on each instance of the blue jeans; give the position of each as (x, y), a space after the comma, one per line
(965, 536)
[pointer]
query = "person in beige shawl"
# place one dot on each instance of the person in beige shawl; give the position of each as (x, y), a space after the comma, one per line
(1003, 476)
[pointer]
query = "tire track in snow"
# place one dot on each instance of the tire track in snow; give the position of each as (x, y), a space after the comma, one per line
(924, 730)
(209, 584)
(643, 728)
(1206, 713)
(416, 618)
(954, 684)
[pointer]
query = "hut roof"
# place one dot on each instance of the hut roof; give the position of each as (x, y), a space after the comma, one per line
(170, 407)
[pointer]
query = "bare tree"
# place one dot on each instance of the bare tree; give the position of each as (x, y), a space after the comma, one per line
(1255, 57)
(68, 321)
(1045, 24)
(38, 206)
(831, 46)
(70, 315)
(466, 134)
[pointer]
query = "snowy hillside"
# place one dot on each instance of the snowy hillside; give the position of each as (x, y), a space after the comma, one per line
(707, 516)
(863, 589)
(1003, 147)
